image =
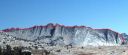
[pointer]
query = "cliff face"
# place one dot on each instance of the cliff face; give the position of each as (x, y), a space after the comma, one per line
(65, 35)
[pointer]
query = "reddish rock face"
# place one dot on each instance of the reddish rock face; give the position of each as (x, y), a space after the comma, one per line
(47, 26)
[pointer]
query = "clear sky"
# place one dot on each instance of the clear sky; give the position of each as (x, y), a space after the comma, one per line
(93, 13)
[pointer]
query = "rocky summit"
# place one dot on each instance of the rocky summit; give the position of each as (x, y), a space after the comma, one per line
(55, 34)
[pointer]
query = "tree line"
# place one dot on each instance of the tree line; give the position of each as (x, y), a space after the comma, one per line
(8, 50)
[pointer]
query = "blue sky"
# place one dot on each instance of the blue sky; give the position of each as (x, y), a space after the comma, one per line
(93, 13)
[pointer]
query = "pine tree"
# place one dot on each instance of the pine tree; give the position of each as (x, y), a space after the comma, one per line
(8, 50)
(0, 50)
(17, 51)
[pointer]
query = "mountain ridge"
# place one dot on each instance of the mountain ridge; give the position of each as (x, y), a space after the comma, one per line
(54, 25)
(64, 35)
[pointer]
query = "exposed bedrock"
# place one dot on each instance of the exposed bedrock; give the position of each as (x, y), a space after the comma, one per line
(69, 35)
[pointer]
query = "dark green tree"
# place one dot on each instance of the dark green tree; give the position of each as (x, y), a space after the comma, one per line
(9, 50)
(17, 50)
(0, 50)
